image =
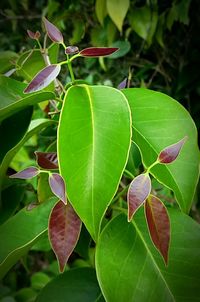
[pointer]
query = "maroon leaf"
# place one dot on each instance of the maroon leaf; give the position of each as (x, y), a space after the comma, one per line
(158, 225)
(53, 32)
(32, 35)
(57, 186)
(47, 160)
(43, 78)
(26, 173)
(138, 191)
(97, 51)
(71, 50)
(64, 231)
(170, 153)
(123, 84)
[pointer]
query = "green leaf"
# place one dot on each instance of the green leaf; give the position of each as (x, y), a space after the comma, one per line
(124, 48)
(159, 121)
(95, 123)
(7, 59)
(143, 21)
(21, 232)
(101, 11)
(34, 127)
(129, 268)
(74, 285)
(12, 129)
(13, 99)
(117, 10)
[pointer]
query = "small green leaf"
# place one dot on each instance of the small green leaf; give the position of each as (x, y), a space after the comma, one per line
(101, 10)
(117, 10)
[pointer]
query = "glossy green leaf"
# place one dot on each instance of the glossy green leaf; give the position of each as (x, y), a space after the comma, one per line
(117, 10)
(34, 127)
(93, 143)
(13, 99)
(74, 285)
(20, 232)
(101, 10)
(129, 268)
(143, 21)
(159, 121)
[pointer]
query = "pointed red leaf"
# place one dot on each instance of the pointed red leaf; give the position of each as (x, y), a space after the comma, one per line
(43, 78)
(158, 225)
(97, 51)
(47, 160)
(32, 35)
(53, 32)
(26, 173)
(57, 186)
(170, 153)
(123, 84)
(138, 191)
(71, 50)
(64, 231)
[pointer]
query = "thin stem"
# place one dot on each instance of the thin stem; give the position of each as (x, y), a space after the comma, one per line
(150, 167)
(129, 174)
(120, 193)
(70, 69)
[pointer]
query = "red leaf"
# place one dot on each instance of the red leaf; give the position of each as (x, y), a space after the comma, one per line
(158, 225)
(32, 35)
(53, 32)
(64, 231)
(57, 186)
(26, 173)
(138, 191)
(170, 153)
(47, 160)
(43, 78)
(97, 51)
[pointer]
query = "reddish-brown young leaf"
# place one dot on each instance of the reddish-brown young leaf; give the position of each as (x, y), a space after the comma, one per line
(71, 50)
(138, 191)
(32, 35)
(43, 78)
(26, 173)
(64, 231)
(97, 51)
(53, 32)
(170, 153)
(47, 160)
(57, 186)
(158, 224)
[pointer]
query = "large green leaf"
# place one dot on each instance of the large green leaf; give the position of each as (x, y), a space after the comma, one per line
(20, 233)
(34, 127)
(75, 285)
(159, 121)
(13, 99)
(129, 267)
(93, 143)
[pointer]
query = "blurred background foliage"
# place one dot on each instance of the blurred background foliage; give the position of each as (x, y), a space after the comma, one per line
(159, 49)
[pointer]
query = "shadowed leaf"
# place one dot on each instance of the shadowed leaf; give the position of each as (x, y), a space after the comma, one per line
(53, 32)
(138, 191)
(43, 78)
(47, 160)
(57, 186)
(32, 35)
(158, 225)
(26, 173)
(97, 51)
(64, 231)
(169, 154)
